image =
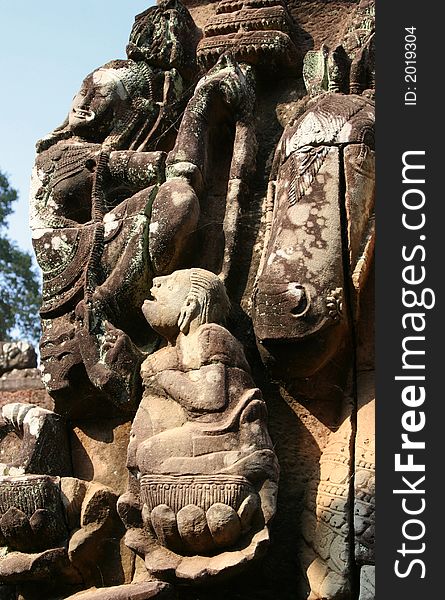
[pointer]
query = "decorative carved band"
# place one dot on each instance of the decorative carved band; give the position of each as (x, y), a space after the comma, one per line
(253, 47)
(30, 493)
(228, 6)
(200, 490)
(273, 18)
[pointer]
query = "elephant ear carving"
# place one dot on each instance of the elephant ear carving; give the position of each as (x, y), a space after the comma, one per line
(319, 237)
(302, 176)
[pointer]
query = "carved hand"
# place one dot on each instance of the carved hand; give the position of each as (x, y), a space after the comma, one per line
(198, 390)
(193, 530)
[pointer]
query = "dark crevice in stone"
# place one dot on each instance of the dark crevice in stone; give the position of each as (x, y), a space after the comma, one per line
(349, 295)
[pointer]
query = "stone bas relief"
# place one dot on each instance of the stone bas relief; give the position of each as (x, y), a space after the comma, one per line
(16, 355)
(53, 527)
(204, 222)
(325, 158)
(108, 212)
(203, 470)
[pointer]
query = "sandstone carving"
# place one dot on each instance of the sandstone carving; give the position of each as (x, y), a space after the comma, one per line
(364, 486)
(44, 442)
(221, 177)
(32, 523)
(18, 367)
(203, 471)
(94, 195)
(300, 294)
(133, 213)
(136, 591)
(350, 66)
(16, 355)
(327, 528)
(257, 33)
(53, 529)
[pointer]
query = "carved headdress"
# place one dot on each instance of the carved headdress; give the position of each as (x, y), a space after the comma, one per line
(207, 299)
(165, 36)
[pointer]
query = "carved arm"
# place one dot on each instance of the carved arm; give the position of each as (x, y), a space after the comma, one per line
(197, 390)
(137, 168)
(221, 89)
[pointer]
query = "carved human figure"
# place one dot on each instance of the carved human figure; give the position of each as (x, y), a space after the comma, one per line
(203, 472)
(92, 200)
(348, 66)
(106, 215)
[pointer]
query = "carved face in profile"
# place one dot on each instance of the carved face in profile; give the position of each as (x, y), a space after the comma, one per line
(98, 101)
(185, 297)
(169, 295)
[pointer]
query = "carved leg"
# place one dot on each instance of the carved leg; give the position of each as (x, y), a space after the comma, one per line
(174, 218)
(125, 257)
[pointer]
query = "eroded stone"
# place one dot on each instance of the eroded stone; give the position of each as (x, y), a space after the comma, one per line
(199, 446)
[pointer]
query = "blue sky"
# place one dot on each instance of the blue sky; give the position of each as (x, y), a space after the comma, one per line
(47, 47)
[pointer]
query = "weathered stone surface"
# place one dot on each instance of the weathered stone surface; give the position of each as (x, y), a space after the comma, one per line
(326, 526)
(16, 355)
(258, 35)
(364, 472)
(58, 531)
(21, 379)
(98, 451)
(96, 546)
(224, 524)
(347, 65)
(114, 254)
(31, 512)
(161, 167)
(94, 252)
(135, 591)
(17, 567)
(44, 441)
(367, 583)
(94, 549)
(16, 452)
(193, 529)
(359, 165)
(300, 297)
(38, 397)
(8, 592)
(199, 445)
(163, 520)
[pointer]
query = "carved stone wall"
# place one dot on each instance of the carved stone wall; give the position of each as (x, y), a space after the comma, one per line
(204, 222)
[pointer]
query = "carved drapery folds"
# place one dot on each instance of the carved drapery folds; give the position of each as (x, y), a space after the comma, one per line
(204, 220)
(16, 355)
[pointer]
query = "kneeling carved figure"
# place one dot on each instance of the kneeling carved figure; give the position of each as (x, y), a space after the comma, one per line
(203, 471)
